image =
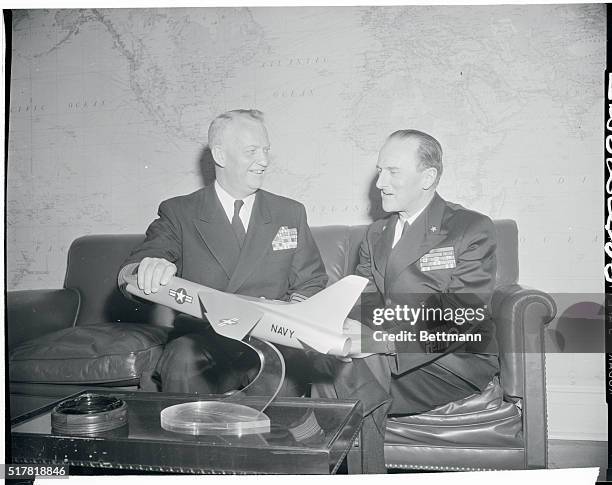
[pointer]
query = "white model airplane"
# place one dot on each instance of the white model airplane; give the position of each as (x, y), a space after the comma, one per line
(317, 323)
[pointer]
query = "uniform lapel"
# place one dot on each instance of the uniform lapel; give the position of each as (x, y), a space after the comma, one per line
(258, 240)
(382, 247)
(424, 234)
(216, 231)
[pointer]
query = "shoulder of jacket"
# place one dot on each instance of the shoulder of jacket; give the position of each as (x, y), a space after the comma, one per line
(467, 218)
(283, 207)
(378, 226)
(185, 202)
(279, 200)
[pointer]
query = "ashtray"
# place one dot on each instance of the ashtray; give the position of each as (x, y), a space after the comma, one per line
(89, 414)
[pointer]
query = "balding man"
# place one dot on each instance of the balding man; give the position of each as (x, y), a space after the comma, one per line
(427, 253)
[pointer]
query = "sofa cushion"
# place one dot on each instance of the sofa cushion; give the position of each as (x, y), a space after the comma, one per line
(332, 242)
(105, 353)
(483, 419)
(93, 264)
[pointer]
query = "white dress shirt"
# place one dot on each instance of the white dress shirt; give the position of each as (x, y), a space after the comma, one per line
(399, 226)
(227, 202)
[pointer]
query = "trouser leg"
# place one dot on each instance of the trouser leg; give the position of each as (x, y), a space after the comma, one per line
(199, 363)
(426, 388)
(373, 440)
(206, 363)
(368, 381)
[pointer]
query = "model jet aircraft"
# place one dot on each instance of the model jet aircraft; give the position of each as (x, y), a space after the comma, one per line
(316, 323)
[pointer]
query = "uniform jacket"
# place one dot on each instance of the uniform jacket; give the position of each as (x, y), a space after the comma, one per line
(405, 275)
(193, 232)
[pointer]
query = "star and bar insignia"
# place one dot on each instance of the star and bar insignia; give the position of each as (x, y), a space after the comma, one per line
(180, 296)
(227, 322)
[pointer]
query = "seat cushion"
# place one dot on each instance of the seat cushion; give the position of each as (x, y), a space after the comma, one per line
(482, 419)
(105, 353)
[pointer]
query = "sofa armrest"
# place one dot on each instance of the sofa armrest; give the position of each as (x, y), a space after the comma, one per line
(528, 309)
(32, 313)
(521, 315)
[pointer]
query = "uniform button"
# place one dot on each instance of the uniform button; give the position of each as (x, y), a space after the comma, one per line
(388, 301)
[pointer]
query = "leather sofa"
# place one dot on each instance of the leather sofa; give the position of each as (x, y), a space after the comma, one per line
(88, 334)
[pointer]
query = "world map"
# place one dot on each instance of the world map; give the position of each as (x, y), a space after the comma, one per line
(110, 108)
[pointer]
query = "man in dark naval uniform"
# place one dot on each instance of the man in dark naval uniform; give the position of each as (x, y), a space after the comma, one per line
(426, 253)
(234, 237)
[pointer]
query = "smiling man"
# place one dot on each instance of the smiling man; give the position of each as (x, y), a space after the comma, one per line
(428, 246)
(234, 237)
(426, 253)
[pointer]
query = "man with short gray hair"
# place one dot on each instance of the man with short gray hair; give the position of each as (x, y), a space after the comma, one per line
(235, 237)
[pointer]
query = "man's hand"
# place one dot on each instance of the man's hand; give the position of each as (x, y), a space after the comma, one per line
(362, 337)
(153, 273)
(358, 333)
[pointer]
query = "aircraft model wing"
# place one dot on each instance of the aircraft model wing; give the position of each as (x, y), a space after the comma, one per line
(230, 315)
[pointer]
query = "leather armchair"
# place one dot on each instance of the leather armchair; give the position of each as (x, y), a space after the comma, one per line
(39, 312)
(87, 334)
(101, 338)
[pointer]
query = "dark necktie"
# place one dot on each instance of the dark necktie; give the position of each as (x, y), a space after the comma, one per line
(237, 225)
(405, 229)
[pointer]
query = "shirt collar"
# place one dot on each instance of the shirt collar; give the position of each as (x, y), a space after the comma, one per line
(227, 201)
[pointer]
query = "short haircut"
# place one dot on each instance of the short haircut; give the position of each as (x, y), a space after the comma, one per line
(219, 124)
(429, 150)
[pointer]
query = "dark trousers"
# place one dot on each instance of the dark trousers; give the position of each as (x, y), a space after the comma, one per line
(434, 384)
(370, 380)
(366, 380)
(203, 362)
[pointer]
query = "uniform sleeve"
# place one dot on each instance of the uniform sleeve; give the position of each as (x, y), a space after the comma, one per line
(162, 240)
(370, 297)
(364, 265)
(476, 265)
(470, 287)
(308, 275)
(129, 269)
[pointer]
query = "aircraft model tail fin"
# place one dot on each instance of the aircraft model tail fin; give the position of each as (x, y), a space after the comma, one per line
(329, 307)
(229, 315)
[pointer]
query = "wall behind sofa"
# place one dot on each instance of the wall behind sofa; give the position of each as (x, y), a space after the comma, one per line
(109, 112)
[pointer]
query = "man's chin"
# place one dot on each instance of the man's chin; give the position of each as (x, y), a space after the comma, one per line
(255, 186)
(255, 181)
(388, 207)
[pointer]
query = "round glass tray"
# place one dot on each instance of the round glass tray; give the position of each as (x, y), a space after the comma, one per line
(214, 417)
